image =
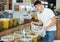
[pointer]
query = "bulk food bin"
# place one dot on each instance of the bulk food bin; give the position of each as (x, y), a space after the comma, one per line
(26, 39)
(32, 37)
(4, 23)
(7, 38)
(15, 21)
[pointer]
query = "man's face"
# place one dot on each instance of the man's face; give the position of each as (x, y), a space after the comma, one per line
(38, 7)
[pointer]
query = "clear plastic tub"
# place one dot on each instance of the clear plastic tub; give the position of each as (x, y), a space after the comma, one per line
(26, 39)
(7, 38)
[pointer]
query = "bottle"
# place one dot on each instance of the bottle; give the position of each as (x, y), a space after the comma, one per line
(34, 18)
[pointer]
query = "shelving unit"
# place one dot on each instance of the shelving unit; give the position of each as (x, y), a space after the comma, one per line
(4, 5)
(10, 4)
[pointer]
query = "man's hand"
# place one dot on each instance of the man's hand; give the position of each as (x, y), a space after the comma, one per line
(37, 23)
(45, 28)
(51, 24)
(32, 22)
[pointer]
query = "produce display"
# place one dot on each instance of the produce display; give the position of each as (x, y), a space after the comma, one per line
(19, 36)
(22, 36)
(28, 34)
(6, 23)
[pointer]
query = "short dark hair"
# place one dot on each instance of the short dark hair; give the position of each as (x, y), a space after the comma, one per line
(37, 2)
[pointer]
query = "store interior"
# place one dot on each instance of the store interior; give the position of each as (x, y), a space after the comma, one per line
(16, 17)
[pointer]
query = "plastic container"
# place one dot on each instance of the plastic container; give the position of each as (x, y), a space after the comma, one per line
(14, 21)
(7, 38)
(1, 25)
(20, 21)
(5, 23)
(34, 37)
(26, 39)
(11, 23)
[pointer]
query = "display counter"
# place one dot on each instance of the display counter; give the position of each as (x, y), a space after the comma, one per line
(27, 26)
(14, 29)
(19, 28)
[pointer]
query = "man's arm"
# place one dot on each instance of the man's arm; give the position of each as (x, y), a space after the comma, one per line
(51, 24)
(37, 23)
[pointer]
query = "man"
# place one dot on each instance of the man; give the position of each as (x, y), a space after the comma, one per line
(47, 18)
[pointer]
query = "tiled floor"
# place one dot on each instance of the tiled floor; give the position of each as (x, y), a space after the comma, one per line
(56, 40)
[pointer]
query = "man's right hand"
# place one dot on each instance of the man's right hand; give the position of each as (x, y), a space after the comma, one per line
(33, 22)
(36, 23)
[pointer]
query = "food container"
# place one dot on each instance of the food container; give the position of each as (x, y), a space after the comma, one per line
(16, 36)
(35, 18)
(26, 39)
(7, 38)
(5, 23)
(27, 18)
(39, 38)
(11, 23)
(1, 24)
(18, 40)
(19, 33)
(20, 21)
(33, 36)
(14, 21)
